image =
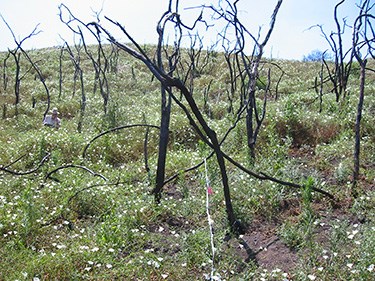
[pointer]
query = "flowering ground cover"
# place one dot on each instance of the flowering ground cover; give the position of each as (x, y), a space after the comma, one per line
(93, 217)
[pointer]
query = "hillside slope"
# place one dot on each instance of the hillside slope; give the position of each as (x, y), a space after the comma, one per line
(69, 216)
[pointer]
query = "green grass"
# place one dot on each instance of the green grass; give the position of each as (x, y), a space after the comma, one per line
(77, 226)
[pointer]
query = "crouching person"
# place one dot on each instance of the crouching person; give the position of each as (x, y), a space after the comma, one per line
(52, 120)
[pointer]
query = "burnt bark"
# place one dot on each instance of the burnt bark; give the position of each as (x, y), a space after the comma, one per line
(363, 47)
(357, 144)
(5, 74)
(165, 109)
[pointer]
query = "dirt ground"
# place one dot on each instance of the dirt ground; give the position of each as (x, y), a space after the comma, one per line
(262, 244)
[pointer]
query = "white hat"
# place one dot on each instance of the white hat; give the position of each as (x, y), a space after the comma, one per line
(54, 110)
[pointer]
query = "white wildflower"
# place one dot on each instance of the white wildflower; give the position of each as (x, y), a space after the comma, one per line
(371, 267)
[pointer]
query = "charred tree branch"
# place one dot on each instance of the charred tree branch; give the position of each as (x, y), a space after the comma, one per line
(16, 173)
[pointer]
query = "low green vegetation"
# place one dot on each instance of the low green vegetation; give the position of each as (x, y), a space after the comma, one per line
(94, 217)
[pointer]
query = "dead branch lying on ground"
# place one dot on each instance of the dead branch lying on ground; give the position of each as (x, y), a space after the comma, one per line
(18, 173)
(48, 176)
(113, 130)
(260, 176)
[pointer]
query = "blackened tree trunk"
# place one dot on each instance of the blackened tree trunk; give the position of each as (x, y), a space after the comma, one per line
(5, 75)
(363, 47)
(163, 142)
(358, 128)
(166, 103)
(17, 79)
(235, 225)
